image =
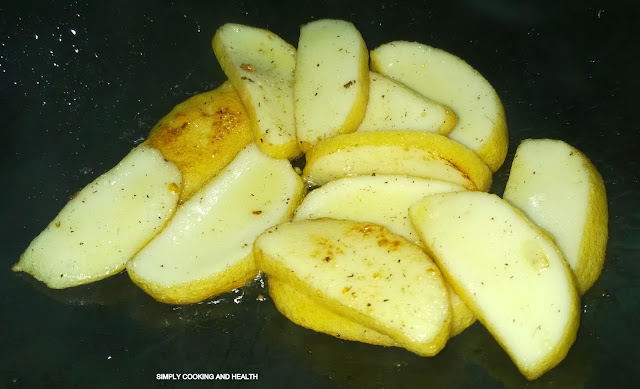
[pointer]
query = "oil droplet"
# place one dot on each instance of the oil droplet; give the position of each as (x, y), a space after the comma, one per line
(240, 293)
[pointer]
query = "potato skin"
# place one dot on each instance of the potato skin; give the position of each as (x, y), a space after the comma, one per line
(306, 312)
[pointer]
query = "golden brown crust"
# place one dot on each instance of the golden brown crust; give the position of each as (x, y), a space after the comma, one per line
(202, 135)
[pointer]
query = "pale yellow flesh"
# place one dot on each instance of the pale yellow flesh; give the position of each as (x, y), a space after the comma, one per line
(412, 153)
(561, 191)
(363, 273)
(206, 248)
(202, 135)
(509, 272)
(380, 199)
(447, 79)
(106, 223)
(331, 86)
(306, 312)
(393, 106)
(261, 65)
(384, 200)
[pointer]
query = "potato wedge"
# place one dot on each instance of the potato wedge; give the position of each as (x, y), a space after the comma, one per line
(362, 272)
(393, 106)
(449, 80)
(331, 86)
(560, 190)
(202, 135)
(260, 65)
(380, 199)
(384, 200)
(106, 223)
(508, 271)
(308, 313)
(206, 248)
(411, 153)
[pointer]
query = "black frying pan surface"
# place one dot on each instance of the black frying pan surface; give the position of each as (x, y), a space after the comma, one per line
(82, 83)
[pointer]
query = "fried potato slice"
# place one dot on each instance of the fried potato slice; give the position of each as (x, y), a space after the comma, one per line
(308, 313)
(447, 79)
(384, 200)
(411, 153)
(561, 191)
(507, 270)
(364, 273)
(393, 106)
(331, 86)
(206, 248)
(106, 223)
(260, 65)
(202, 135)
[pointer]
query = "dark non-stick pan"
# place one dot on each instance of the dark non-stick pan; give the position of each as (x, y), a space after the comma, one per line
(81, 83)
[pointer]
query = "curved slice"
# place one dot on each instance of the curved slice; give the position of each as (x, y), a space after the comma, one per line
(411, 153)
(507, 270)
(306, 312)
(384, 200)
(261, 65)
(313, 315)
(393, 106)
(380, 199)
(560, 190)
(202, 135)
(364, 273)
(206, 248)
(106, 223)
(331, 86)
(447, 79)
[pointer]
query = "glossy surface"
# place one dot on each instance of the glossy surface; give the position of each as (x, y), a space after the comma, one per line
(106, 223)
(81, 83)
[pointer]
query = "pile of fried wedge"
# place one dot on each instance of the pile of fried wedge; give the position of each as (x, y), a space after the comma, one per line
(387, 236)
